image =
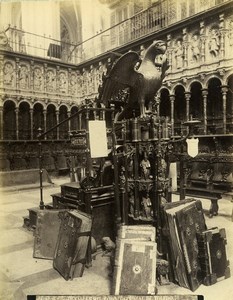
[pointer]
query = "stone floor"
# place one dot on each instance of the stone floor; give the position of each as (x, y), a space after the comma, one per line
(22, 275)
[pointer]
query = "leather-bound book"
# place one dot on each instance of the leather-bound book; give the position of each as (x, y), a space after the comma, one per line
(184, 219)
(134, 271)
(46, 232)
(71, 250)
(212, 255)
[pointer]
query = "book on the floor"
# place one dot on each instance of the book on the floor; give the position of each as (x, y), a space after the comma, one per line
(46, 232)
(71, 249)
(134, 271)
(212, 255)
(184, 219)
(137, 232)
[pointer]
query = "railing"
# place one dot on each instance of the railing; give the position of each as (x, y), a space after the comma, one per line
(143, 23)
(153, 19)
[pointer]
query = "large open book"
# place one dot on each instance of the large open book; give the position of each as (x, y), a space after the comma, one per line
(183, 220)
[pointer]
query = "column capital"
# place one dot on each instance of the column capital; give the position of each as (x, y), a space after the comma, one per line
(172, 97)
(224, 89)
(204, 92)
(187, 95)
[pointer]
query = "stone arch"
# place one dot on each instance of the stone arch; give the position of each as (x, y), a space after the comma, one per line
(27, 101)
(9, 120)
(41, 103)
(24, 120)
(173, 88)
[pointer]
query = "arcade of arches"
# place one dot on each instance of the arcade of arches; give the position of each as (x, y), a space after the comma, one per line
(212, 104)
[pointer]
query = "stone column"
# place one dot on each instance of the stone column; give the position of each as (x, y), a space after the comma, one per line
(31, 122)
(69, 121)
(172, 99)
(45, 122)
(57, 120)
(17, 122)
(187, 99)
(204, 95)
(224, 90)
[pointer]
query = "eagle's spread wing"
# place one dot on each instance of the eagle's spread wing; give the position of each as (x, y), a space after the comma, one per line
(122, 75)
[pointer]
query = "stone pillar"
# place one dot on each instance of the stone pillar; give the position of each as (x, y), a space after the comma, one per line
(69, 121)
(45, 122)
(17, 122)
(224, 90)
(187, 99)
(172, 99)
(57, 120)
(31, 122)
(204, 95)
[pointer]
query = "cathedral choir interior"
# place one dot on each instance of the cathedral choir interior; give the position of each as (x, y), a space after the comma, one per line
(116, 154)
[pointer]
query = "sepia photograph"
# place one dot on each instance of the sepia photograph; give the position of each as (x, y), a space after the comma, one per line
(116, 149)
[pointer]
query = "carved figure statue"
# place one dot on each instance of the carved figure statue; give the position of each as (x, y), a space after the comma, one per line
(38, 78)
(131, 202)
(23, 77)
(195, 47)
(179, 54)
(147, 206)
(143, 81)
(214, 43)
(50, 80)
(145, 167)
(62, 82)
(8, 72)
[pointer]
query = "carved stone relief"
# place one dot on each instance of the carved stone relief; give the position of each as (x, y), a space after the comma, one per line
(24, 76)
(79, 84)
(195, 47)
(73, 83)
(179, 53)
(62, 78)
(214, 42)
(9, 74)
(50, 80)
(38, 78)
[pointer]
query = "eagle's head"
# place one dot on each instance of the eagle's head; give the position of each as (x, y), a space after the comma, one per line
(155, 49)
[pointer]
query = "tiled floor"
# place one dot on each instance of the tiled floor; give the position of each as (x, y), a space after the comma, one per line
(21, 274)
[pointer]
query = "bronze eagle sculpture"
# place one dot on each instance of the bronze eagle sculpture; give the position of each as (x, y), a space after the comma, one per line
(143, 78)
